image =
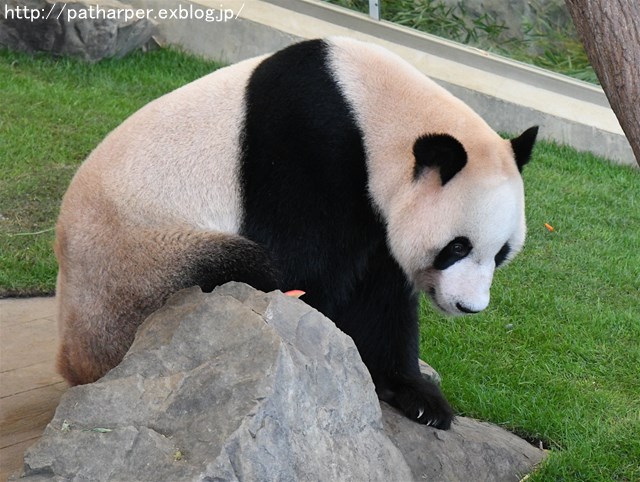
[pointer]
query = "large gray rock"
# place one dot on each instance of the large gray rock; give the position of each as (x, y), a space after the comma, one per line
(242, 385)
(208, 382)
(470, 451)
(88, 29)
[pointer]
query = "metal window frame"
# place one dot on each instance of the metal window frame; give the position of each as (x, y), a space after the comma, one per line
(374, 9)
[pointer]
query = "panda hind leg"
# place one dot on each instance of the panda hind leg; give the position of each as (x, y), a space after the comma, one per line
(233, 258)
(98, 315)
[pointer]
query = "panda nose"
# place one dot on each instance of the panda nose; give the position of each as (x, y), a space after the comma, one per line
(464, 309)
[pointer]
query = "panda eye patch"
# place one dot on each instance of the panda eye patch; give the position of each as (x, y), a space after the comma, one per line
(457, 249)
(502, 254)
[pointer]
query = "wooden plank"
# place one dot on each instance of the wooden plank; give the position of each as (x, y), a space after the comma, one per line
(30, 389)
(12, 458)
(25, 415)
(28, 343)
(24, 379)
(16, 310)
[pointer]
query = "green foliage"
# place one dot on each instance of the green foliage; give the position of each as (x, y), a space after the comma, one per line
(551, 45)
(452, 22)
(543, 42)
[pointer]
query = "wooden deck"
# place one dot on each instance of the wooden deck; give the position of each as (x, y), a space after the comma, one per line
(30, 388)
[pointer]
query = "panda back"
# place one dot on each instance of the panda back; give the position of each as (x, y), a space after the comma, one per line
(175, 161)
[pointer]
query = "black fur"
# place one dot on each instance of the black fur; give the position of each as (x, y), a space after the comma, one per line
(439, 150)
(457, 249)
(464, 309)
(523, 146)
(234, 258)
(304, 183)
(502, 254)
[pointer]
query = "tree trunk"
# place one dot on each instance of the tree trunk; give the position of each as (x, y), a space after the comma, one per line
(610, 32)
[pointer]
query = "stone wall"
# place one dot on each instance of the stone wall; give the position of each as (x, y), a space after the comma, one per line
(90, 30)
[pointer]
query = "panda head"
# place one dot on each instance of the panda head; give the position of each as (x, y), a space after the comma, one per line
(460, 216)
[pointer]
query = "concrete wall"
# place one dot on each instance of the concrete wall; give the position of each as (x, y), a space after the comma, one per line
(511, 96)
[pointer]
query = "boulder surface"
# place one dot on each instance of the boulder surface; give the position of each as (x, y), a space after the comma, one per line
(242, 385)
(88, 29)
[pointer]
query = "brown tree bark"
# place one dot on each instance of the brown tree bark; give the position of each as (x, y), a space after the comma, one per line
(610, 32)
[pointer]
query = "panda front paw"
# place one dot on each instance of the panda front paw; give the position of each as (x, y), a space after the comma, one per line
(421, 400)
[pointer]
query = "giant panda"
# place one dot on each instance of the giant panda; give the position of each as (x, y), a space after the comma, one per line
(331, 166)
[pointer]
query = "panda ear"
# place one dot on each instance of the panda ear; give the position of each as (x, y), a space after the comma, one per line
(523, 145)
(440, 151)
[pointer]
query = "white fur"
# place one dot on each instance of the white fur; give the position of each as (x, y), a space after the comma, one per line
(467, 282)
(394, 104)
(185, 172)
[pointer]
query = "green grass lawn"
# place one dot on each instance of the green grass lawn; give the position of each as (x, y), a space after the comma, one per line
(555, 358)
(52, 114)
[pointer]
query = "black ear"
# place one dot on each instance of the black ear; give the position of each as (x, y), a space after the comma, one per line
(441, 151)
(523, 145)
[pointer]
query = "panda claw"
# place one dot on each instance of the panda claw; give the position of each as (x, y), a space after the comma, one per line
(422, 401)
